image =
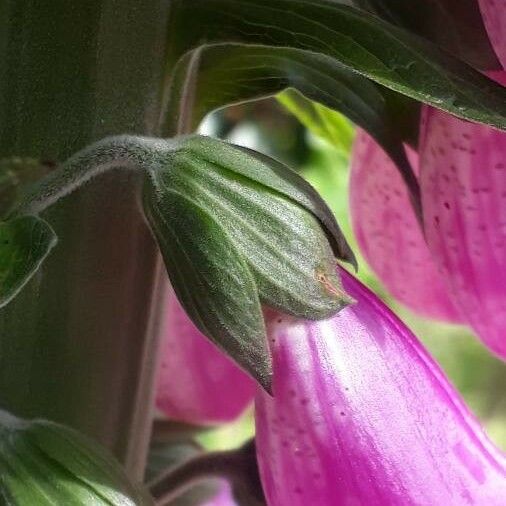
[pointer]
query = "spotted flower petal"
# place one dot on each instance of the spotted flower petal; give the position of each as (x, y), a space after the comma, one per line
(361, 415)
(197, 383)
(494, 16)
(463, 184)
(389, 234)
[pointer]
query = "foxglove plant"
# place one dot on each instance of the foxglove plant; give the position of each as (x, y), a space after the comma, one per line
(82, 296)
(362, 415)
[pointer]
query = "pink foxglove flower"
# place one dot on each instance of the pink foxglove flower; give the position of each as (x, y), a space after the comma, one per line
(197, 383)
(463, 184)
(389, 235)
(494, 16)
(361, 416)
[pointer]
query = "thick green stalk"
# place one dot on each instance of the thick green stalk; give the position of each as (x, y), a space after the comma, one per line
(78, 344)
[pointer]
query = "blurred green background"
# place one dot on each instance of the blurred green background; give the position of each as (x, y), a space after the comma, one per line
(269, 127)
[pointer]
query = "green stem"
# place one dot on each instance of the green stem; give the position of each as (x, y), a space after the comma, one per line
(78, 345)
(237, 466)
(177, 481)
(138, 154)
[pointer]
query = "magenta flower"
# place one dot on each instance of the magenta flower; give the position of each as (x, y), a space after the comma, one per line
(494, 16)
(361, 416)
(463, 184)
(389, 234)
(196, 382)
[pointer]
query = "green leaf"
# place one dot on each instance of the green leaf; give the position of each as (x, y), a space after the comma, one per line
(214, 76)
(325, 123)
(46, 464)
(236, 228)
(455, 25)
(24, 243)
(360, 41)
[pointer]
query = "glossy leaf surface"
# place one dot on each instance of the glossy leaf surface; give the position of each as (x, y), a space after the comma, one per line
(370, 46)
(214, 76)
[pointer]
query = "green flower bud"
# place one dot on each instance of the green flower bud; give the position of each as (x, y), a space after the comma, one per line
(238, 229)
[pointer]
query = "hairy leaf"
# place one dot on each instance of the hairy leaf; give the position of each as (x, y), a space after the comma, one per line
(360, 41)
(24, 243)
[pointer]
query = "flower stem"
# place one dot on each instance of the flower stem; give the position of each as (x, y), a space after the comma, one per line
(238, 467)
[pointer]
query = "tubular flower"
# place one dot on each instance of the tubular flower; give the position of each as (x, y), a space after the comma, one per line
(361, 415)
(196, 382)
(494, 16)
(463, 184)
(389, 234)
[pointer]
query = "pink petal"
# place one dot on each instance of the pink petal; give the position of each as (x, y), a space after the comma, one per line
(361, 416)
(388, 232)
(494, 16)
(197, 383)
(463, 182)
